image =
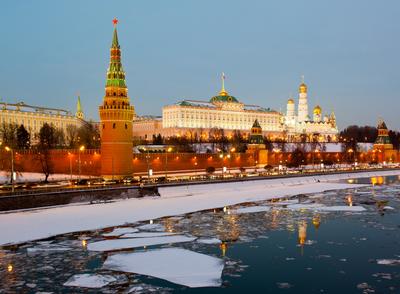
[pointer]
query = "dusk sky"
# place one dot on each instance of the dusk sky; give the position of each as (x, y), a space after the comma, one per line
(347, 50)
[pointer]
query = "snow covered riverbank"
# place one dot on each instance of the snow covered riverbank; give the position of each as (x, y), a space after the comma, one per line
(18, 227)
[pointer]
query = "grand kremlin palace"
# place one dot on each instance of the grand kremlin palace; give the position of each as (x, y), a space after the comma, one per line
(226, 112)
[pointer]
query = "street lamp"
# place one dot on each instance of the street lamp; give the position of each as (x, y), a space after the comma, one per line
(81, 148)
(147, 161)
(166, 161)
(70, 164)
(12, 166)
(350, 151)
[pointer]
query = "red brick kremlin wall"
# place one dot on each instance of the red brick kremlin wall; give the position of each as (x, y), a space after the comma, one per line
(65, 160)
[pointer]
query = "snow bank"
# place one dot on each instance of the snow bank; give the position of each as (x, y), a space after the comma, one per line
(43, 223)
(117, 244)
(177, 265)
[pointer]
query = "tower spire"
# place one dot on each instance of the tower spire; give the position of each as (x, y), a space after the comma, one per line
(79, 112)
(223, 91)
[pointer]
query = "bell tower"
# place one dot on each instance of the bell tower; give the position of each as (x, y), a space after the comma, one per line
(116, 116)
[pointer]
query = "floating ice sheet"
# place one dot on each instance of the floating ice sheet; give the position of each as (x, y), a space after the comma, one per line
(89, 281)
(251, 209)
(147, 235)
(116, 244)
(209, 241)
(152, 227)
(50, 247)
(342, 208)
(388, 261)
(305, 206)
(177, 265)
(120, 231)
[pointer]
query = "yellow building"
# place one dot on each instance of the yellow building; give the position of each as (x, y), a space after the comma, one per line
(34, 117)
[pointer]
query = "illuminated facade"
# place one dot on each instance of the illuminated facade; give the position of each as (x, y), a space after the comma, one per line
(319, 127)
(34, 117)
(116, 116)
(222, 112)
(229, 114)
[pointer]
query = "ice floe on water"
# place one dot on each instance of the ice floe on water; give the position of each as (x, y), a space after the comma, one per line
(177, 265)
(388, 261)
(48, 248)
(251, 209)
(147, 235)
(305, 206)
(342, 208)
(89, 281)
(209, 241)
(120, 231)
(152, 227)
(118, 244)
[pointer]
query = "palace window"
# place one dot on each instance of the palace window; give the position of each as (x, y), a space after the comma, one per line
(113, 125)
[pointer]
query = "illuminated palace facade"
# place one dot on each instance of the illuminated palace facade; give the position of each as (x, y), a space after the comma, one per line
(226, 112)
(34, 117)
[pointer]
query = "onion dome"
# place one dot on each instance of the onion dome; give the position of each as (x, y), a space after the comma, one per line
(223, 95)
(303, 88)
(317, 110)
(290, 101)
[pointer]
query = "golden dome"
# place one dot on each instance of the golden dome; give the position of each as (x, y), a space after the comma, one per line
(290, 101)
(317, 110)
(303, 88)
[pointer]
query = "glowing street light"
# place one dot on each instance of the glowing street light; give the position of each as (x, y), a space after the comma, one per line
(166, 161)
(12, 167)
(81, 148)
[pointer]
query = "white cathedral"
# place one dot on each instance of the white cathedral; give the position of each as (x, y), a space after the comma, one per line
(303, 127)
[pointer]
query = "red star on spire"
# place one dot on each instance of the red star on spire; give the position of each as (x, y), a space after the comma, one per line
(115, 21)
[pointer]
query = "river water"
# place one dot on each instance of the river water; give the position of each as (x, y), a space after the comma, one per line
(289, 246)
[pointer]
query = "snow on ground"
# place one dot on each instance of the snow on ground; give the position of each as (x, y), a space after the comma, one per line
(89, 281)
(35, 177)
(120, 231)
(189, 268)
(42, 223)
(116, 244)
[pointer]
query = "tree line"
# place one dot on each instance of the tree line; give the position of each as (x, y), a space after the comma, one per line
(17, 136)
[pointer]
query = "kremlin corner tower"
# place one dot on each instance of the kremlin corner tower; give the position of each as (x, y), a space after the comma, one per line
(116, 116)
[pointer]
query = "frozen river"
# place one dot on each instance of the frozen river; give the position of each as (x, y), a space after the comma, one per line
(337, 241)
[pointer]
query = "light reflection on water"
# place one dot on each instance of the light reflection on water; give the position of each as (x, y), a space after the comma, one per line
(281, 250)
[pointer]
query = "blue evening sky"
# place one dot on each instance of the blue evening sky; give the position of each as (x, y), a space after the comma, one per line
(176, 49)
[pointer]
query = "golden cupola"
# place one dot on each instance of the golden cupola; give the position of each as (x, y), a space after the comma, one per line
(303, 88)
(317, 110)
(290, 101)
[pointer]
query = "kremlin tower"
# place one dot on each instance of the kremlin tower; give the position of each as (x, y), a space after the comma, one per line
(116, 116)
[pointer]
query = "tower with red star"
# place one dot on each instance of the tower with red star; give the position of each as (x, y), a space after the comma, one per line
(116, 116)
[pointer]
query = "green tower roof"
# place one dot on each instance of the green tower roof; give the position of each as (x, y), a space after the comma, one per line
(115, 72)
